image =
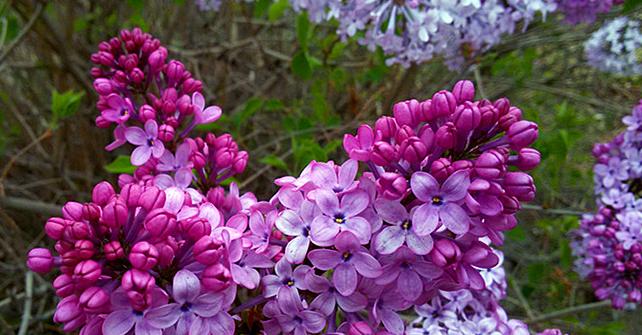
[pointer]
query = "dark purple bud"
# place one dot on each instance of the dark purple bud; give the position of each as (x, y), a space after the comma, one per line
(502, 105)
(386, 126)
(413, 150)
(191, 85)
(490, 165)
(152, 197)
(407, 113)
(130, 194)
(392, 185)
(441, 168)
(87, 272)
(103, 86)
(426, 110)
(403, 132)
(446, 136)
(506, 121)
(40, 260)
(464, 90)
(55, 227)
(143, 256)
(160, 223)
(137, 280)
(216, 278)
(137, 76)
(489, 116)
(467, 117)
(519, 185)
(174, 71)
(522, 134)
(115, 214)
(240, 162)
(91, 212)
(64, 285)
(113, 251)
(146, 112)
(445, 252)
(84, 249)
(383, 154)
(157, 60)
(360, 328)
(102, 123)
(165, 254)
(443, 103)
(206, 250)
(72, 211)
(528, 159)
(196, 228)
(94, 300)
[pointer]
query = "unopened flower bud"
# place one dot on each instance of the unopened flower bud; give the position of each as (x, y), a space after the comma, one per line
(386, 126)
(216, 278)
(87, 272)
(72, 211)
(166, 133)
(94, 300)
(137, 280)
(130, 194)
(527, 159)
(115, 214)
(40, 260)
(55, 227)
(206, 250)
(407, 113)
(464, 90)
(103, 86)
(392, 185)
(445, 252)
(102, 193)
(467, 117)
(383, 154)
(446, 136)
(159, 222)
(152, 198)
(413, 150)
(64, 285)
(443, 103)
(519, 185)
(143, 256)
(113, 251)
(360, 328)
(513, 115)
(490, 165)
(522, 134)
(84, 249)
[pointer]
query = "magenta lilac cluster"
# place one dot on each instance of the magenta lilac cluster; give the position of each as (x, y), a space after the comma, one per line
(584, 11)
(168, 251)
(443, 176)
(609, 244)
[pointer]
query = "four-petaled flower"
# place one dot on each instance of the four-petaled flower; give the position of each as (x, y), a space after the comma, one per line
(147, 141)
(402, 230)
(285, 285)
(341, 216)
(349, 259)
(441, 203)
(120, 109)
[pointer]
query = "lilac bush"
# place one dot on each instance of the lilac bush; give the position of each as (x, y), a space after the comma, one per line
(336, 250)
(615, 47)
(608, 244)
(584, 11)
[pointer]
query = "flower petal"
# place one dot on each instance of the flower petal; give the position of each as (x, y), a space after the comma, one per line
(454, 218)
(409, 285)
(366, 265)
(360, 227)
(425, 219)
(324, 229)
(391, 211)
(163, 316)
(118, 322)
(345, 279)
(186, 286)
(208, 304)
(221, 324)
(151, 128)
(283, 269)
(354, 202)
(313, 322)
(296, 249)
(327, 201)
(421, 245)
(324, 259)
(456, 186)
(246, 277)
(324, 303)
(141, 155)
(210, 114)
(389, 240)
(424, 186)
(289, 222)
(323, 175)
(352, 303)
(347, 173)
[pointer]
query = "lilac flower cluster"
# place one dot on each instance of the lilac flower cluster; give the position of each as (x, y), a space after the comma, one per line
(584, 11)
(438, 184)
(615, 47)
(608, 245)
(469, 311)
(168, 253)
(420, 30)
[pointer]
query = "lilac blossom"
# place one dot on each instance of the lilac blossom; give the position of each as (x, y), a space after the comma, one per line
(147, 141)
(401, 232)
(343, 215)
(440, 203)
(297, 224)
(285, 285)
(615, 47)
(348, 260)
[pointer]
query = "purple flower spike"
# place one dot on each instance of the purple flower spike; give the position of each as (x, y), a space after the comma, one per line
(349, 259)
(341, 216)
(441, 203)
(147, 141)
(393, 237)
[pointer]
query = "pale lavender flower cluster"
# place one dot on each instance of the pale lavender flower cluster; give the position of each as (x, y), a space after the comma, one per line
(608, 245)
(389, 239)
(616, 47)
(416, 31)
(584, 11)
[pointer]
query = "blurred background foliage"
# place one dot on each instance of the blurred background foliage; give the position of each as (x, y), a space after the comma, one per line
(290, 89)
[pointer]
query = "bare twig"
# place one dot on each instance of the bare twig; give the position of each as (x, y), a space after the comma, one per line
(558, 211)
(569, 310)
(520, 296)
(26, 313)
(22, 34)
(13, 159)
(30, 205)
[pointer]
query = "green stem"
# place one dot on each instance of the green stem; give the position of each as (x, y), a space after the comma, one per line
(569, 310)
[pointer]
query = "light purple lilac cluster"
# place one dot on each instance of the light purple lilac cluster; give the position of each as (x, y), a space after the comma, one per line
(585, 11)
(616, 47)
(416, 31)
(438, 183)
(608, 245)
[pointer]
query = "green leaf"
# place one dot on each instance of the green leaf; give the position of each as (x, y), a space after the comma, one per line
(277, 9)
(261, 7)
(630, 5)
(274, 161)
(121, 164)
(64, 105)
(303, 30)
(250, 108)
(301, 65)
